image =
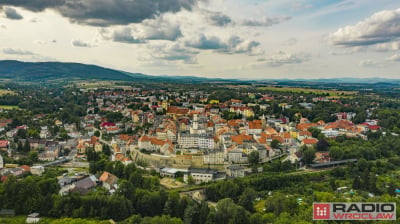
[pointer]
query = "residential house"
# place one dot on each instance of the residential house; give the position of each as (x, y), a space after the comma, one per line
(44, 132)
(37, 170)
(113, 130)
(175, 111)
(304, 134)
(322, 157)
(309, 142)
(287, 138)
(153, 144)
(331, 133)
(200, 141)
(93, 143)
(234, 171)
(4, 144)
(345, 116)
(201, 175)
(50, 153)
(58, 123)
(236, 155)
(109, 181)
(84, 185)
(270, 131)
(171, 172)
(81, 149)
(25, 168)
(240, 110)
(305, 126)
(254, 127)
(214, 157)
(3, 126)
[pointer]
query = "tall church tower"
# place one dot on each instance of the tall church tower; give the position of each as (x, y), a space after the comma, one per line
(263, 121)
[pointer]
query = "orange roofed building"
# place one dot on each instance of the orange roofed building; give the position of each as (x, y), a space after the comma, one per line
(309, 142)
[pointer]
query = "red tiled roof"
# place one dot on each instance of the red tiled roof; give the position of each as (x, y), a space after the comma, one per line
(305, 133)
(119, 157)
(144, 138)
(256, 124)
(4, 143)
(108, 178)
(271, 131)
(279, 138)
(305, 126)
(25, 168)
(236, 101)
(177, 110)
(374, 127)
(105, 124)
(310, 141)
(240, 138)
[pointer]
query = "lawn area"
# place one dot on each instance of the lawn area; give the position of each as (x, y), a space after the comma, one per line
(95, 84)
(332, 93)
(259, 206)
(5, 92)
(6, 107)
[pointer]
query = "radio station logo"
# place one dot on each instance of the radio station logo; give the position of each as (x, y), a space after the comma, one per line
(354, 211)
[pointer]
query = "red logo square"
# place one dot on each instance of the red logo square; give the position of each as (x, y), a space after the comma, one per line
(321, 211)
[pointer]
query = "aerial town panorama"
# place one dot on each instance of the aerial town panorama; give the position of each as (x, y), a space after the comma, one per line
(180, 111)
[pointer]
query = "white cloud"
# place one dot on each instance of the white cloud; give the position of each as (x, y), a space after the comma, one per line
(173, 53)
(159, 29)
(391, 46)
(348, 51)
(290, 42)
(266, 21)
(395, 57)
(381, 27)
(13, 51)
(122, 35)
(368, 63)
(282, 58)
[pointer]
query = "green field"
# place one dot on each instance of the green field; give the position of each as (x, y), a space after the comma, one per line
(6, 107)
(95, 84)
(5, 92)
(332, 93)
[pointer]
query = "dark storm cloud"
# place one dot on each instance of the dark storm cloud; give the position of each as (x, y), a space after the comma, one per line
(105, 12)
(125, 36)
(79, 43)
(11, 13)
(34, 5)
(219, 19)
(233, 45)
(207, 43)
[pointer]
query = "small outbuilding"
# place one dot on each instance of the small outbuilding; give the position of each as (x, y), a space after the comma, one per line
(33, 218)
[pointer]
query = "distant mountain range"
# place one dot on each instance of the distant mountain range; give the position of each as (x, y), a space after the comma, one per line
(43, 71)
(52, 71)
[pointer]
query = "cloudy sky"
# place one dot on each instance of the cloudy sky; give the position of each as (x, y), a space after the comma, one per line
(211, 38)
